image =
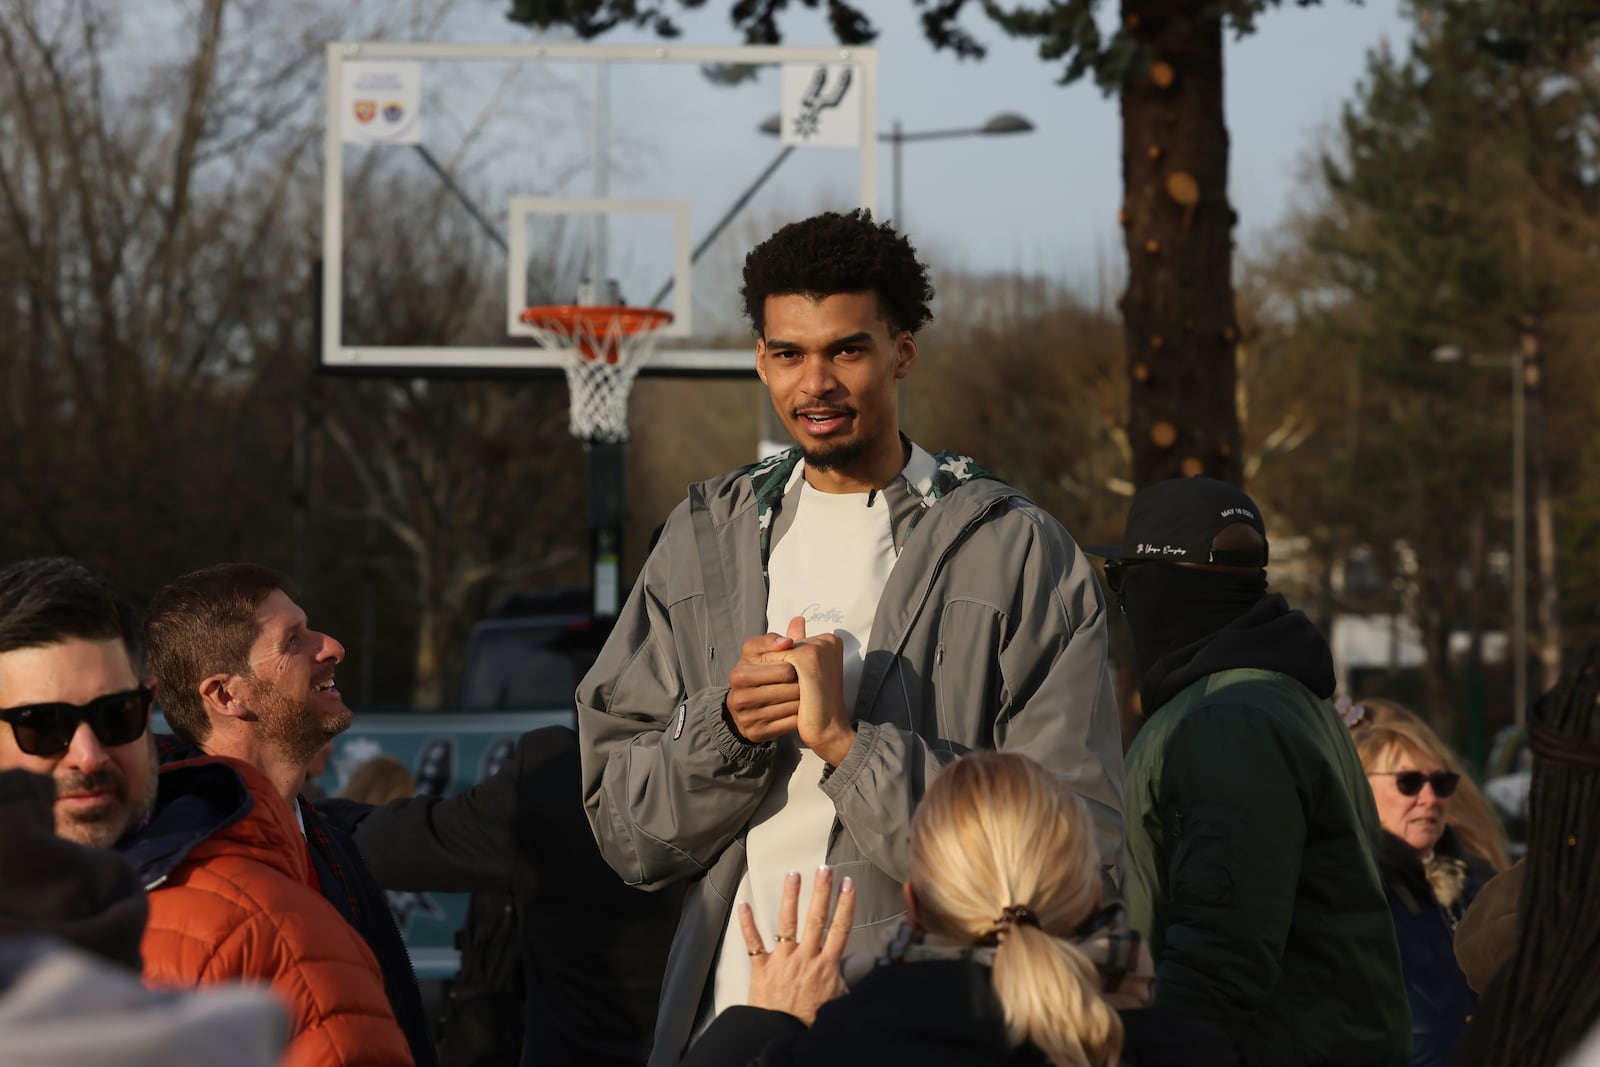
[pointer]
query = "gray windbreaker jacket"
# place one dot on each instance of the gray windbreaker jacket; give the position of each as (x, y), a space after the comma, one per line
(990, 634)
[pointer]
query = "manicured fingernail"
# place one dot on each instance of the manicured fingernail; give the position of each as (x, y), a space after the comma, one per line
(744, 909)
(824, 873)
(847, 886)
(792, 878)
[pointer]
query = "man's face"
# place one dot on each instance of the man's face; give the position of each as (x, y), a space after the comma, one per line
(291, 688)
(101, 791)
(832, 367)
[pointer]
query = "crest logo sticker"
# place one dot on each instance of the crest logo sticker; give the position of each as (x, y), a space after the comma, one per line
(381, 102)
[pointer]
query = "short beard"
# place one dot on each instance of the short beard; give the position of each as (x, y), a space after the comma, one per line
(294, 730)
(833, 456)
(105, 831)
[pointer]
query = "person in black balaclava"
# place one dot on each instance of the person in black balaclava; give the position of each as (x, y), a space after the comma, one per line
(87, 897)
(1249, 857)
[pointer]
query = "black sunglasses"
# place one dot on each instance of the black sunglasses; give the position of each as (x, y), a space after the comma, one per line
(1410, 782)
(47, 729)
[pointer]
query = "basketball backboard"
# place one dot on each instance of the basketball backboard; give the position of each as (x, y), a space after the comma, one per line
(492, 177)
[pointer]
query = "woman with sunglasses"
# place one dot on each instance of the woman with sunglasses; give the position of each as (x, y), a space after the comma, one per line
(1428, 882)
(1470, 818)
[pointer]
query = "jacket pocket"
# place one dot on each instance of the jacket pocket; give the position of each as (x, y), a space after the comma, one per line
(1203, 841)
(880, 901)
(967, 688)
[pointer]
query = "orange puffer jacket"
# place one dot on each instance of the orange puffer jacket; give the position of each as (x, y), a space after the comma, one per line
(225, 865)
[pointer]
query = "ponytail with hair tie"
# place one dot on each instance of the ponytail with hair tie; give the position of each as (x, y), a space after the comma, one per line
(1012, 915)
(1016, 915)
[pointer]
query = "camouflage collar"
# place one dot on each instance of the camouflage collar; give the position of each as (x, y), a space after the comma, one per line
(769, 479)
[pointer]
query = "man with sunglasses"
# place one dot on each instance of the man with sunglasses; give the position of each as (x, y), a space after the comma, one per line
(218, 854)
(72, 703)
(1249, 858)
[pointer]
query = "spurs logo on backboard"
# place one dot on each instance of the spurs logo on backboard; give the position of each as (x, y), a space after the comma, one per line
(819, 96)
(821, 104)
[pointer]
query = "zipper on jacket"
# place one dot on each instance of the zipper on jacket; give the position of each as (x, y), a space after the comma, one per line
(153, 886)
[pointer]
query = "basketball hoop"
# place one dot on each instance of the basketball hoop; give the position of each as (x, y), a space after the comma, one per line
(605, 345)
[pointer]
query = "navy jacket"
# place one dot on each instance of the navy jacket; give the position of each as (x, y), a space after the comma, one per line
(1436, 990)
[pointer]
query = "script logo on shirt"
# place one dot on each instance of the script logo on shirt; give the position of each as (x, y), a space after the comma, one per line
(816, 613)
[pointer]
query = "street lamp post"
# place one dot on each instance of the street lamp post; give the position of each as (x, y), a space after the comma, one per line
(1519, 514)
(1003, 123)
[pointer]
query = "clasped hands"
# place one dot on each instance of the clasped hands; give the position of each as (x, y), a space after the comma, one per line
(791, 683)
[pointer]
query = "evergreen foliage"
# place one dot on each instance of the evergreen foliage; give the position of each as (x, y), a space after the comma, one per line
(1459, 217)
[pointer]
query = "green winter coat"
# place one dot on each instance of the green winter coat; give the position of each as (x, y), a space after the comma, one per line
(1249, 861)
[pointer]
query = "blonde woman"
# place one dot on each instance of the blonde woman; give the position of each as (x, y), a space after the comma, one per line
(1428, 881)
(1472, 819)
(379, 780)
(1000, 962)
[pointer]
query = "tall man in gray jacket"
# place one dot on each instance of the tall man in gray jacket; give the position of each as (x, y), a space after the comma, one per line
(948, 612)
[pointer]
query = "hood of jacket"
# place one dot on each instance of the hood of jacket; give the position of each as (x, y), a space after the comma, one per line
(214, 800)
(1269, 636)
(1487, 935)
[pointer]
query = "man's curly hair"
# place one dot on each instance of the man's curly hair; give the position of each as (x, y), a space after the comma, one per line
(836, 253)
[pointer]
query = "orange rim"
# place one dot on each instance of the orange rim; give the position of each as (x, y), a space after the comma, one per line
(629, 320)
(598, 321)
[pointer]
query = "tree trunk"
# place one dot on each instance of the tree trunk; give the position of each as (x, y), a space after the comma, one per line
(1471, 696)
(1549, 604)
(1440, 597)
(1178, 311)
(427, 688)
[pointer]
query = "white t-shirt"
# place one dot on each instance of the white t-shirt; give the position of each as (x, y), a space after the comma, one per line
(830, 566)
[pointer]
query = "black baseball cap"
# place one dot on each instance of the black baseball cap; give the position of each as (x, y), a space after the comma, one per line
(1177, 520)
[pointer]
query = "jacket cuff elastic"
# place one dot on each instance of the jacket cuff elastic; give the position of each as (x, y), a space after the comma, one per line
(734, 749)
(842, 777)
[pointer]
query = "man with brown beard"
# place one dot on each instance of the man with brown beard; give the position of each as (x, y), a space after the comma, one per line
(241, 674)
(219, 854)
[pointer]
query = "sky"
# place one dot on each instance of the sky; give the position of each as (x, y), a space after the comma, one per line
(1046, 201)
(1040, 203)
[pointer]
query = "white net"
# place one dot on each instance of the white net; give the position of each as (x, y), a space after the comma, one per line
(605, 348)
